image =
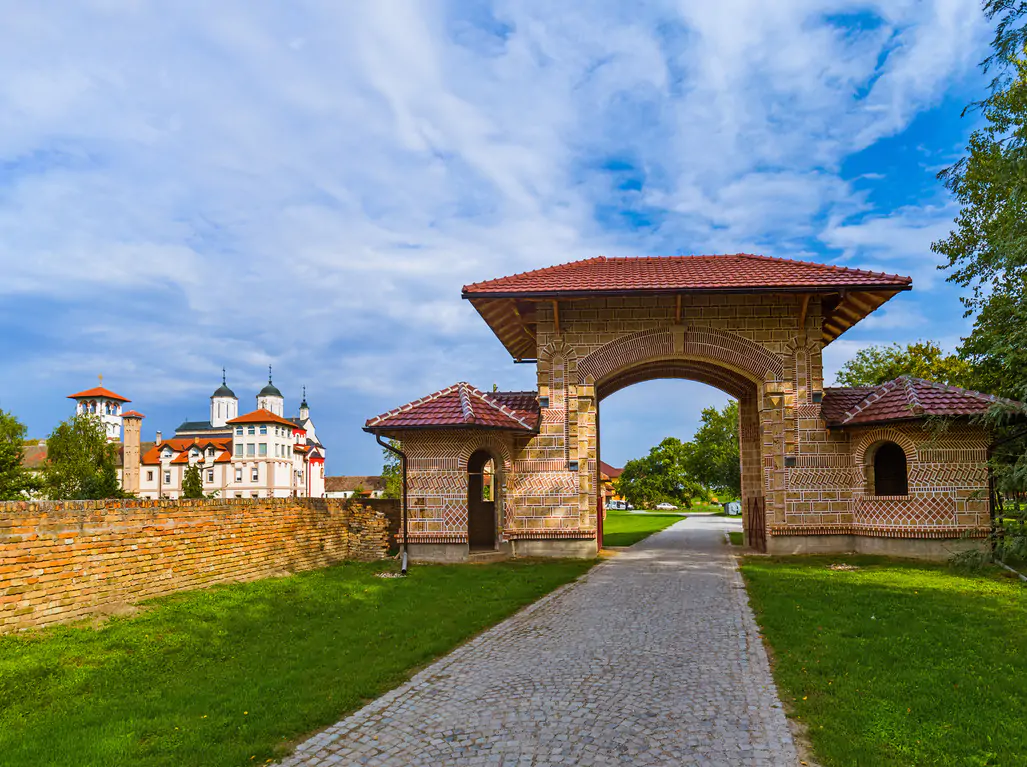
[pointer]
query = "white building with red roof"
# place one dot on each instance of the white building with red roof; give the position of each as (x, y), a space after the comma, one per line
(105, 405)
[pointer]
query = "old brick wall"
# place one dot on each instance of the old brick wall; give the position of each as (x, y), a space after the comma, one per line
(65, 560)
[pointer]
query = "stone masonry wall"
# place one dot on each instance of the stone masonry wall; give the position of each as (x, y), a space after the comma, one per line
(60, 561)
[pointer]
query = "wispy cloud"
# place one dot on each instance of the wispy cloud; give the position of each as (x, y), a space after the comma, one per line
(190, 185)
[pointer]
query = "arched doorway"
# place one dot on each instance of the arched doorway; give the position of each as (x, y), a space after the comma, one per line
(732, 382)
(482, 489)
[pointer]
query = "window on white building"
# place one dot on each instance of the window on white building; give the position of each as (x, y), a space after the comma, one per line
(149, 476)
(251, 430)
(250, 447)
(238, 449)
(210, 475)
(254, 474)
(167, 478)
(238, 495)
(238, 478)
(255, 494)
(262, 450)
(263, 430)
(238, 430)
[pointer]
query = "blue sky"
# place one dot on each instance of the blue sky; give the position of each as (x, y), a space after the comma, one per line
(308, 185)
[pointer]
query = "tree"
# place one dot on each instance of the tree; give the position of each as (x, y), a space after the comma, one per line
(924, 359)
(80, 463)
(713, 459)
(15, 480)
(662, 476)
(192, 483)
(392, 472)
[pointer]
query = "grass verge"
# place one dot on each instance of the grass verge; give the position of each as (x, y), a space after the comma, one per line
(622, 528)
(897, 663)
(737, 538)
(232, 674)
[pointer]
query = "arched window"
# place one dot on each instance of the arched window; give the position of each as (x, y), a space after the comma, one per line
(890, 476)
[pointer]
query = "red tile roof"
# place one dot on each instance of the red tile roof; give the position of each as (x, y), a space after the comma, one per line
(741, 272)
(98, 391)
(461, 406)
(264, 416)
(180, 444)
(609, 471)
(905, 398)
(132, 414)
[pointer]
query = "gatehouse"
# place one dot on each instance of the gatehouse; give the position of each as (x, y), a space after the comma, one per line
(898, 468)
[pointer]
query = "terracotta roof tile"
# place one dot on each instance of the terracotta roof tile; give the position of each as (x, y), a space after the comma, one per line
(609, 471)
(728, 272)
(463, 406)
(98, 391)
(264, 416)
(132, 414)
(905, 398)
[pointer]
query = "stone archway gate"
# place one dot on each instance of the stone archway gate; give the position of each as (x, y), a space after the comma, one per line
(752, 326)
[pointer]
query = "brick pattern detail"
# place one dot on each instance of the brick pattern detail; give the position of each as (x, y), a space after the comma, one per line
(64, 561)
(810, 478)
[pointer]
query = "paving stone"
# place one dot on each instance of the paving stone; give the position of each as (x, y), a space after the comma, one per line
(653, 658)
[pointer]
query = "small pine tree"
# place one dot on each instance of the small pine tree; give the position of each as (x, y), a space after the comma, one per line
(192, 483)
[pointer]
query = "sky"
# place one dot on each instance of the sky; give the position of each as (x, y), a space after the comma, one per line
(189, 186)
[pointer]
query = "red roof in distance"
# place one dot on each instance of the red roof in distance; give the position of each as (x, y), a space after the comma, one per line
(739, 272)
(264, 416)
(462, 406)
(132, 414)
(98, 391)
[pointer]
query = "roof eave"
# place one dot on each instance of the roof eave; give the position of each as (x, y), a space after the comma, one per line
(468, 294)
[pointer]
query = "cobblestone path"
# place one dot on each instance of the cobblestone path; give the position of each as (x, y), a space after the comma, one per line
(652, 658)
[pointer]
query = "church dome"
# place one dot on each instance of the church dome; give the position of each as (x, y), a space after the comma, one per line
(224, 391)
(269, 391)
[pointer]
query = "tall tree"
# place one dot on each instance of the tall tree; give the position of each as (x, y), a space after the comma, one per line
(192, 483)
(392, 472)
(15, 479)
(874, 365)
(80, 463)
(713, 458)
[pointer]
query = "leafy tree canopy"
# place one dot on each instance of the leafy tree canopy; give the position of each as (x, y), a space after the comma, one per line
(924, 359)
(660, 477)
(713, 459)
(80, 463)
(192, 483)
(15, 479)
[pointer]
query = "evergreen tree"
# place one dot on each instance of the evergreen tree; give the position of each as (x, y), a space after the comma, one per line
(192, 483)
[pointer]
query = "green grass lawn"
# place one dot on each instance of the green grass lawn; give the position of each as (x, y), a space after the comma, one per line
(622, 528)
(897, 663)
(230, 675)
(737, 538)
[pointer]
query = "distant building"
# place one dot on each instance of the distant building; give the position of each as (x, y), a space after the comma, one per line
(346, 487)
(260, 454)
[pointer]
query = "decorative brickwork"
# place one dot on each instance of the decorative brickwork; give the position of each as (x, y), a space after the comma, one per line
(806, 475)
(67, 560)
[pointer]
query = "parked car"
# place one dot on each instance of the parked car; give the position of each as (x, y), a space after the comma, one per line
(665, 506)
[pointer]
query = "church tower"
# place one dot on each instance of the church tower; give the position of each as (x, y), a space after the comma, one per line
(224, 405)
(269, 398)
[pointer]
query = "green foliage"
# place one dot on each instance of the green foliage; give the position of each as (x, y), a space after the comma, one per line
(660, 477)
(230, 675)
(896, 663)
(192, 483)
(80, 463)
(15, 480)
(713, 459)
(392, 472)
(623, 528)
(924, 359)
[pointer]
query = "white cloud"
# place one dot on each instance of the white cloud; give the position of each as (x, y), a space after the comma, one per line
(309, 186)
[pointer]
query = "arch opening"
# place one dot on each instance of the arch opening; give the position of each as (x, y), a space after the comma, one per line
(732, 382)
(887, 470)
(483, 489)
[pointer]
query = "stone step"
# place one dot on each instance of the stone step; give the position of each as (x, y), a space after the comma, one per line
(484, 557)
